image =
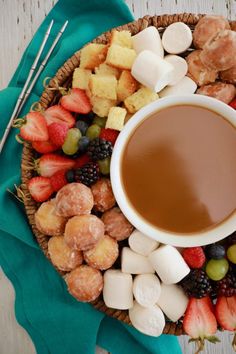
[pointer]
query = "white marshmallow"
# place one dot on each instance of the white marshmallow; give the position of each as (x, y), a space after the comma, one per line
(177, 38)
(117, 290)
(180, 67)
(172, 301)
(169, 264)
(149, 39)
(148, 320)
(152, 71)
(141, 243)
(185, 86)
(146, 289)
(134, 263)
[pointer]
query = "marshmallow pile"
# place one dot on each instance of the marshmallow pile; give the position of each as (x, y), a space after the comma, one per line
(146, 284)
(165, 75)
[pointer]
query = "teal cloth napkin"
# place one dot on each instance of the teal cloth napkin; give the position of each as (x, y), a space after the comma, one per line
(56, 322)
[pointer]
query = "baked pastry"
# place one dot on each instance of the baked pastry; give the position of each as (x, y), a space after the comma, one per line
(47, 221)
(74, 199)
(102, 194)
(83, 232)
(116, 224)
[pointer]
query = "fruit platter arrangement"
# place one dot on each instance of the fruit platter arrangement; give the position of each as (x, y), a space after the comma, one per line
(68, 144)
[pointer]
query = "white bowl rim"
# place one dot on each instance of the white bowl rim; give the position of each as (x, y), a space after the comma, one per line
(212, 235)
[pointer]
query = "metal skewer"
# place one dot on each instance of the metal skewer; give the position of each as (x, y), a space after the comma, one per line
(32, 69)
(42, 66)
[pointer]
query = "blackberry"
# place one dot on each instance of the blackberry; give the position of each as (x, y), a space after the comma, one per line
(227, 286)
(88, 174)
(99, 149)
(196, 284)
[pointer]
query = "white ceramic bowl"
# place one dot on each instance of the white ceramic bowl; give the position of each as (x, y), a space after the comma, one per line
(217, 233)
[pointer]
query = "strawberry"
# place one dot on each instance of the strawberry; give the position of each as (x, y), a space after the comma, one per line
(58, 114)
(200, 322)
(194, 257)
(58, 180)
(76, 101)
(81, 161)
(40, 188)
(226, 312)
(233, 104)
(44, 147)
(49, 164)
(34, 128)
(57, 133)
(109, 135)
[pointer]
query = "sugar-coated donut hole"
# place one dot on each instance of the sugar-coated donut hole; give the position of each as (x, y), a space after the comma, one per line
(207, 27)
(219, 90)
(103, 196)
(62, 256)
(197, 71)
(116, 224)
(83, 232)
(85, 283)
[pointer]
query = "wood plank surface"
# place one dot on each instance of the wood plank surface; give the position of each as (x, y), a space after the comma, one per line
(19, 19)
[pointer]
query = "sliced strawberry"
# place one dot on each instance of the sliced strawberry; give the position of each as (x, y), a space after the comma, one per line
(44, 147)
(76, 101)
(40, 188)
(200, 322)
(58, 114)
(35, 128)
(194, 257)
(233, 104)
(226, 312)
(109, 135)
(57, 133)
(49, 164)
(58, 180)
(82, 160)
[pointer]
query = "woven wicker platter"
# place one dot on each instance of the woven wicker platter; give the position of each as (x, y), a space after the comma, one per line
(63, 78)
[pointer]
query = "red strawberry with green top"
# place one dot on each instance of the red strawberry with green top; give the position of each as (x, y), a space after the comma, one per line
(44, 147)
(58, 180)
(226, 312)
(40, 188)
(76, 101)
(57, 133)
(109, 135)
(58, 114)
(49, 164)
(34, 127)
(233, 104)
(194, 257)
(200, 322)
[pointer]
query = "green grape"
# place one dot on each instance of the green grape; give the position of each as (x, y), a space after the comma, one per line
(216, 269)
(231, 254)
(104, 166)
(100, 121)
(71, 143)
(93, 131)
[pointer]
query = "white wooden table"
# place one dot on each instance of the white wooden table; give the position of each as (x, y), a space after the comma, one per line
(19, 20)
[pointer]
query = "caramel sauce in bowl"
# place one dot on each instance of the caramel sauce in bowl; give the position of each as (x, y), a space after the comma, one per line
(173, 170)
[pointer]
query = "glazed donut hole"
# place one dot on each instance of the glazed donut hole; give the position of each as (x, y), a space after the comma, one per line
(220, 51)
(104, 254)
(207, 27)
(219, 90)
(83, 232)
(116, 224)
(85, 283)
(229, 75)
(47, 221)
(62, 256)
(103, 195)
(199, 72)
(74, 199)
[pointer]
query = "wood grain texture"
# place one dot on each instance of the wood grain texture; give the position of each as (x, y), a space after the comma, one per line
(19, 19)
